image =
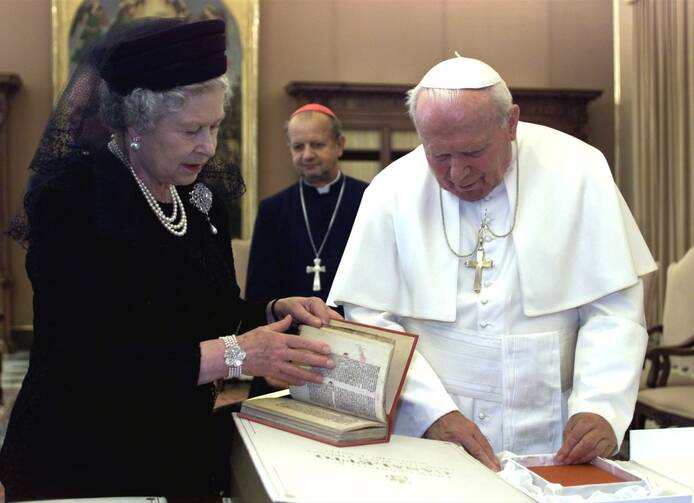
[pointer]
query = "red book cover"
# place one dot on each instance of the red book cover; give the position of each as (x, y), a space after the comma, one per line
(310, 414)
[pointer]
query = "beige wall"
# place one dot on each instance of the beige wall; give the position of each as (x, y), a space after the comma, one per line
(25, 49)
(532, 43)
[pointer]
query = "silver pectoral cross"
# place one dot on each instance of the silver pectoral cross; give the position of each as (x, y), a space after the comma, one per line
(315, 269)
(479, 263)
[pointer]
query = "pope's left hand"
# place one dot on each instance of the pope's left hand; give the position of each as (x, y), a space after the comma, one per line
(586, 437)
(307, 310)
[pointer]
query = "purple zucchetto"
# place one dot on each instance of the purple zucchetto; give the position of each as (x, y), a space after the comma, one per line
(160, 54)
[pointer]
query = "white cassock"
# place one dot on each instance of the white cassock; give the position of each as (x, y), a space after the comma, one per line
(558, 326)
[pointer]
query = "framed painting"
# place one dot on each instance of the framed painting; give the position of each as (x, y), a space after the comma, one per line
(76, 23)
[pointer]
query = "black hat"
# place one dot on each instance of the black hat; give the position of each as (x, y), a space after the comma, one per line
(161, 53)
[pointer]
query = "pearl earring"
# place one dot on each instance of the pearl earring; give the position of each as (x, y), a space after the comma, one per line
(135, 143)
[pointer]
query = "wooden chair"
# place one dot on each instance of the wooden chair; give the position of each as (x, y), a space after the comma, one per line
(668, 404)
(668, 394)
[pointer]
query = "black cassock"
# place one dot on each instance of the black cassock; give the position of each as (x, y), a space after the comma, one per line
(281, 249)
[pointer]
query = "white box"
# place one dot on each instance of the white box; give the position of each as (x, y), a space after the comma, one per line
(667, 451)
(652, 487)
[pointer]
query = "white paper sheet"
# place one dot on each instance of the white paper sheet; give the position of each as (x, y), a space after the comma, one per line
(668, 451)
(405, 470)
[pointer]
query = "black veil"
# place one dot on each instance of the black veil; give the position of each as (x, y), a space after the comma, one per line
(75, 128)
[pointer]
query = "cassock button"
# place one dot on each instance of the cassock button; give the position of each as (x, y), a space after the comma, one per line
(485, 324)
(487, 283)
(482, 416)
(484, 301)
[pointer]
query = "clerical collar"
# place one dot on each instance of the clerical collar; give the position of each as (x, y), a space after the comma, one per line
(325, 189)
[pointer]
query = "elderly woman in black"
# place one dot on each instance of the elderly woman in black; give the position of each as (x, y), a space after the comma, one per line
(135, 299)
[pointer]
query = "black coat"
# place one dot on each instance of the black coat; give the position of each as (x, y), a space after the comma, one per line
(281, 249)
(110, 405)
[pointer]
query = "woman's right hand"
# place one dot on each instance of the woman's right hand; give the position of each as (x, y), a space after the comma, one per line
(277, 356)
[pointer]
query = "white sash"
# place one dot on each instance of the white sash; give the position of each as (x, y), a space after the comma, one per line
(514, 387)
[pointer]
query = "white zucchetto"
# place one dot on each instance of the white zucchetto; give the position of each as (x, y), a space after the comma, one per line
(460, 73)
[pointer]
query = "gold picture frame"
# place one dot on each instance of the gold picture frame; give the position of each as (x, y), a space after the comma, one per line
(244, 14)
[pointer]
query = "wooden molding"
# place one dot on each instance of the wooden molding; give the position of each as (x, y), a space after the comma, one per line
(9, 83)
(376, 106)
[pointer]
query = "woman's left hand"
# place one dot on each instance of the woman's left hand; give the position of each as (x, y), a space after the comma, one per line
(307, 310)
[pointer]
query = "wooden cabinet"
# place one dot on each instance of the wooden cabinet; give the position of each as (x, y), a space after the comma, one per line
(378, 129)
(562, 109)
(9, 84)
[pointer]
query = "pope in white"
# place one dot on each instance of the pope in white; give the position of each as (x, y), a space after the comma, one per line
(508, 248)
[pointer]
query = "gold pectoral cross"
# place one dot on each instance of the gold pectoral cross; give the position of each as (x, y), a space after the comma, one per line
(479, 263)
(315, 269)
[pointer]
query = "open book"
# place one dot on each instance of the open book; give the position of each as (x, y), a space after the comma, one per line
(356, 402)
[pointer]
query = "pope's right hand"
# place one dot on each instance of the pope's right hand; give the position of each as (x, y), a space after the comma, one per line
(278, 356)
(454, 427)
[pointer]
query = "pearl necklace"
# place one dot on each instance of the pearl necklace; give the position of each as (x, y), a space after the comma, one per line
(177, 229)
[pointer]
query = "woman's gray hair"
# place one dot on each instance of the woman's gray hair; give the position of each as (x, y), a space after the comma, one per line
(142, 108)
(501, 97)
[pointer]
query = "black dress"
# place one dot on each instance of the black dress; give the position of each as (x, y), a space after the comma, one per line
(110, 405)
